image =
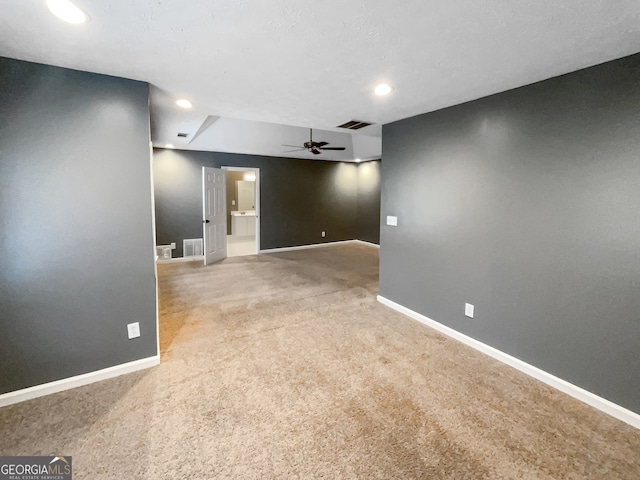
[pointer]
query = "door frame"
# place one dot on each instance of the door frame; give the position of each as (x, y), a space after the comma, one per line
(257, 173)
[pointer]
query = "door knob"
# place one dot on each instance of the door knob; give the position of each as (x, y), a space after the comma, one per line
(205, 221)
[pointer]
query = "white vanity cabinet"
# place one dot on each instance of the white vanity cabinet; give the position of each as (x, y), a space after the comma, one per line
(243, 223)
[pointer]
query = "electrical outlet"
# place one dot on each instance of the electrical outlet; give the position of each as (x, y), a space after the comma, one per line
(323, 234)
(134, 330)
(233, 202)
(173, 245)
(392, 221)
(469, 310)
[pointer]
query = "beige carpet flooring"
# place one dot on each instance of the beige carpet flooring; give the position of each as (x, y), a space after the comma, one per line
(285, 366)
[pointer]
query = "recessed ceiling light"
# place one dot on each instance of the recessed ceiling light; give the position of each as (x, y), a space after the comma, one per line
(67, 11)
(383, 89)
(184, 103)
(168, 145)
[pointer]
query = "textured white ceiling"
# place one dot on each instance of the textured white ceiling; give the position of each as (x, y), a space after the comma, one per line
(314, 63)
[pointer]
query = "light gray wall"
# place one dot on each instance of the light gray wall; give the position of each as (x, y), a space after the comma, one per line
(298, 198)
(76, 231)
(526, 204)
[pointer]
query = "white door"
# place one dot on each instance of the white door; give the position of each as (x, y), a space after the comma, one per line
(214, 215)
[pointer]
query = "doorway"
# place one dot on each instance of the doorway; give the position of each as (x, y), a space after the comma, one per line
(243, 211)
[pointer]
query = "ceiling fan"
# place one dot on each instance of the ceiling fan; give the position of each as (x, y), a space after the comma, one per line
(314, 147)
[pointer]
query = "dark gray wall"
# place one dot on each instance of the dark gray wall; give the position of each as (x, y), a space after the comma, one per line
(76, 231)
(368, 221)
(527, 205)
(298, 198)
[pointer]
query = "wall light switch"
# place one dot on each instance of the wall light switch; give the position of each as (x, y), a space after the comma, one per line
(173, 245)
(469, 310)
(233, 202)
(134, 330)
(393, 221)
(323, 234)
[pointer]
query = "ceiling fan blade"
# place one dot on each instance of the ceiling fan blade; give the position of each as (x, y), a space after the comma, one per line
(320, 144)
(331, 148)
(295, 146)
(315, 151)
(296, 150)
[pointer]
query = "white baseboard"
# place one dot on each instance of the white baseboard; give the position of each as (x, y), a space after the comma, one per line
(315, 245)
(77, 381)
(579, 393)
(196, 258)
(368, 244)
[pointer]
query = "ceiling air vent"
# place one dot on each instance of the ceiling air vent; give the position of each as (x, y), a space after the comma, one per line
(354, 125)
(183, 135)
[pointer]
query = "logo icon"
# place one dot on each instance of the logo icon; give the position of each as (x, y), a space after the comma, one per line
(36, 468)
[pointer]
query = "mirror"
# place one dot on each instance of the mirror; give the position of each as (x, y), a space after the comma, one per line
(246, 195)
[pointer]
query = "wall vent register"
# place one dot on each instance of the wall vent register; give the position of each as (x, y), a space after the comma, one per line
(163, 252)
(192, 247)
